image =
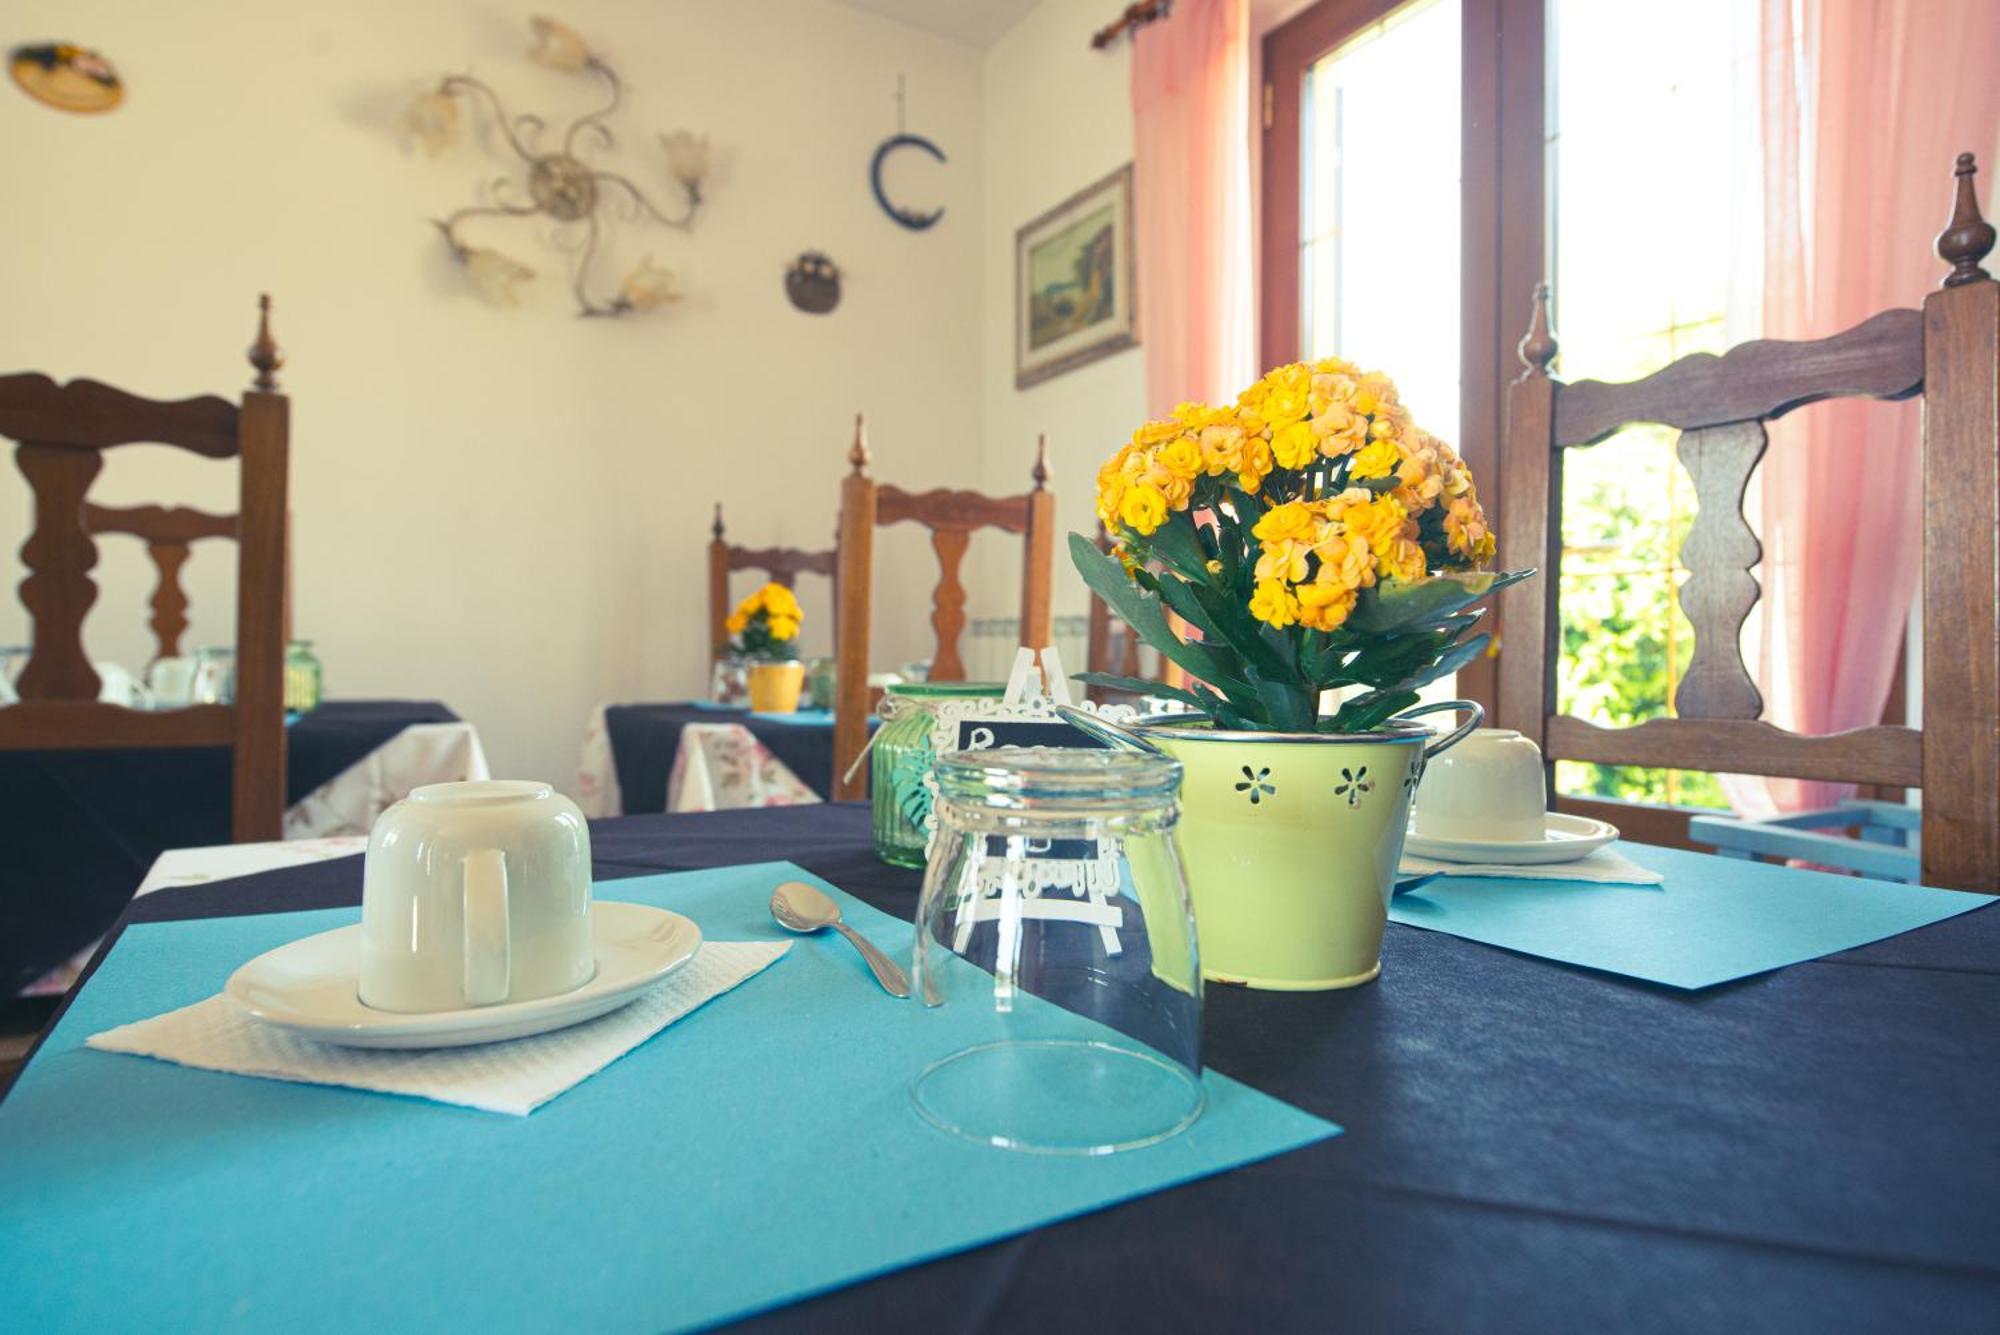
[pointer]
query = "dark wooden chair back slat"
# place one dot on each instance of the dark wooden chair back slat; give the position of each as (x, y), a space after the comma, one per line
(1950, 354)
(168, 532)
(61, 433)
(780, 565)
(952, 517)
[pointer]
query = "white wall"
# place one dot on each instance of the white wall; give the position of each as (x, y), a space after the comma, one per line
(507, 510)
(1057, 117)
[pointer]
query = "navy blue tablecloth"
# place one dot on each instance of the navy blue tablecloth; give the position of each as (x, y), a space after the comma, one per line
(645, 738)
(1529, 1147)
(78, 829)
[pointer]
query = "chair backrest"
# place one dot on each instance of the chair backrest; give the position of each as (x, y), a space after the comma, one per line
(783, 565)
(951, 516)
(168, 532)
(1949, 353)
(62, 432)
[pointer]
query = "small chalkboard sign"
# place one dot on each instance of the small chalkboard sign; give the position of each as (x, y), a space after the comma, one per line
(1026, 716)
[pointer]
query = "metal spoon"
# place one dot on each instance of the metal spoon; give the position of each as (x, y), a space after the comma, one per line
(799, 907)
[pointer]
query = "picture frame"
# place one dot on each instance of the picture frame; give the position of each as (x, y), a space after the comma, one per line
(1075, 282)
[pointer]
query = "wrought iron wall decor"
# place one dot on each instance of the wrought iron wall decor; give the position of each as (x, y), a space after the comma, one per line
(562, 184)
(911, 218)
(813, 283)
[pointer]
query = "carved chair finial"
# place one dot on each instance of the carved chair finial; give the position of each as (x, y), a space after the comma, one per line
(1538, 349)
(265, 354)
(1968, 237)
(1041, 470)
(857, 454)
(717, 530)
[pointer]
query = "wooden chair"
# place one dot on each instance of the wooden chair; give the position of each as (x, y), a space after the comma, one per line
(951, 516)
(783, 565)
(62, 434)
(168, 532)
(1948, 353)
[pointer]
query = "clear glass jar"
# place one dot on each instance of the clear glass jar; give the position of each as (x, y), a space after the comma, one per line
(215, 675)
(729, 683)
(302, 678)
(901, 756)
(1056, 953)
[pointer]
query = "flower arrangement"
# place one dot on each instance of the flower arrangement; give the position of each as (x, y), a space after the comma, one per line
(1312, 534)
(766, 624)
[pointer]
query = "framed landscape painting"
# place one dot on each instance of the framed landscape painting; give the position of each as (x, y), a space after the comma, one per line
(1073, 290)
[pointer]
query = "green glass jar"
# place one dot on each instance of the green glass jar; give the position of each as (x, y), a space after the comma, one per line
(302, 678)
(902, 756)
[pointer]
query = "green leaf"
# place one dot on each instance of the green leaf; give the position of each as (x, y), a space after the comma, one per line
(1144, 613)
(1367, 712)
(1394, 606)
(1139, 686)
(1454, 658)
(1288, 706)
(1177, 543)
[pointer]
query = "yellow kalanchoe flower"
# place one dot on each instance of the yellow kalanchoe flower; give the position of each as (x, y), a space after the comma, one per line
(1379, 458)
(1274, 604)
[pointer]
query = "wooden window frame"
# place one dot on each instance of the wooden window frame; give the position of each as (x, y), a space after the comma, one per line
(1503, 247)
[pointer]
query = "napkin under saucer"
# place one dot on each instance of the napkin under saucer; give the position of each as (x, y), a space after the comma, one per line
(1565, 838)
(515, 1076)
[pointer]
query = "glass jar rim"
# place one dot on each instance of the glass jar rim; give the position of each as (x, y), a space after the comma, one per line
(946, 690)
(1023, 777)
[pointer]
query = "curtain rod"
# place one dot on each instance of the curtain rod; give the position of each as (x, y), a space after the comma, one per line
(1135, 17)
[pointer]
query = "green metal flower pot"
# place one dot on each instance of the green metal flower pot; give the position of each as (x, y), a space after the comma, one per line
(1291, 842)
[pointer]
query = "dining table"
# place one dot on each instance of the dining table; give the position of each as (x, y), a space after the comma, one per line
(633, 753)
(1528, 1146)
(81, 829)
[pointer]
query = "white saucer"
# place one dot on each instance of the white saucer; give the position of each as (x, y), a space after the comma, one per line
(311, 986)
(1564, 839)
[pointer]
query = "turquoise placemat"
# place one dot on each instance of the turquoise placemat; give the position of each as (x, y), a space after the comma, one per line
(1716, 919)
(811, 718)
(758, 1151)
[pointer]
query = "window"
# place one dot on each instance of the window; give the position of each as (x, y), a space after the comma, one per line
(1379, 232)
(1653, 172)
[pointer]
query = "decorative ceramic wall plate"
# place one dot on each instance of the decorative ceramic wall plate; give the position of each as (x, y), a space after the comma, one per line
(66, 76)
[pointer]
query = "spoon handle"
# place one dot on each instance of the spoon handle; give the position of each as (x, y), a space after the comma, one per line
(894, 981)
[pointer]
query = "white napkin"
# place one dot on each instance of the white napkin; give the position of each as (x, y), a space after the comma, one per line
(1603, 866)
(516, 1076)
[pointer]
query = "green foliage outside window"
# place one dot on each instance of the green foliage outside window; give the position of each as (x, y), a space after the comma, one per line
(1624, 640)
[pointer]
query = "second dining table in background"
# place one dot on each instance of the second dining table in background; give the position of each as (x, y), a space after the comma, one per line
(82, 828)
(630, 750)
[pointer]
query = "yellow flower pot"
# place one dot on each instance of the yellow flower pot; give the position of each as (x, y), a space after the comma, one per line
(774, 687)
(1291, 842)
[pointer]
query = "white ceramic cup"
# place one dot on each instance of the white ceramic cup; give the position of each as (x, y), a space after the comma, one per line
(1490, 786)
(171, 681)
(475, 894)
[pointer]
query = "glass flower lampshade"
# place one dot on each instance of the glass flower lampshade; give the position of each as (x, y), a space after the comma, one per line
(557, 45)
(687, 158)
(496, 276)
(649, 286)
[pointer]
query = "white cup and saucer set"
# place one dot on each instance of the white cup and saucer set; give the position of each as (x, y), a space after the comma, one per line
(476, 925)
(1486, 801)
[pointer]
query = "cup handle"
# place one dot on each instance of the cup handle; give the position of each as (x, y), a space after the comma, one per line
(1456, 735)
(488, 966)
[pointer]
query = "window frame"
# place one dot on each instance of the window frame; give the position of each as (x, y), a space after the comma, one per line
(1503, 248)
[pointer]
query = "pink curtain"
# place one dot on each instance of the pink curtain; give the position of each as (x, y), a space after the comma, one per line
(1865, 104)
(1191, 201)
